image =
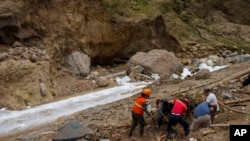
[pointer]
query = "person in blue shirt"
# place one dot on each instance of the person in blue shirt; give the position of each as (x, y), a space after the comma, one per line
(202, 117)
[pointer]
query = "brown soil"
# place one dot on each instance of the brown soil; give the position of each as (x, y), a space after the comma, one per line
(113, 120)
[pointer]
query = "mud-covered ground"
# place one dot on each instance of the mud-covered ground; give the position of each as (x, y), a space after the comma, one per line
(113, 120)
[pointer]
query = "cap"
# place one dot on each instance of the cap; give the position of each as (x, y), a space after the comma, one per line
(206, 90)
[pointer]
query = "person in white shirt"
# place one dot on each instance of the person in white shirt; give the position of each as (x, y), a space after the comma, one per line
(211, 98)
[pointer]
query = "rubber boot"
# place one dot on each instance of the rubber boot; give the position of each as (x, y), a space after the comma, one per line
(130, 133)
(186, 133)
(141, 132)
(170, 135)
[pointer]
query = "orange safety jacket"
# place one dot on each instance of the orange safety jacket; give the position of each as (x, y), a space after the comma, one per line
(138, 105)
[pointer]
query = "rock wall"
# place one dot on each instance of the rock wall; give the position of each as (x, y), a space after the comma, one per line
(42, 33)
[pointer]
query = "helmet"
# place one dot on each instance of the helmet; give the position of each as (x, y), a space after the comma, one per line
(147, 92)
(206, 90)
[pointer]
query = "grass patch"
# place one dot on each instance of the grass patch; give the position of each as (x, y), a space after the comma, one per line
(241, 45)
(135, 8)
(183, 20)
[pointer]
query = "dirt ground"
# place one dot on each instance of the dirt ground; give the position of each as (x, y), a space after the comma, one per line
(112, 121)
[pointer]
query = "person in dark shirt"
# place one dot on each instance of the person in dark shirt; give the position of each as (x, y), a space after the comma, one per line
(164, 108)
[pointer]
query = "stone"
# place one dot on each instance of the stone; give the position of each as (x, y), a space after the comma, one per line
(78, 63)
(227, 96)
(186, 61)
(209, 62)
(43, 89)
(33, 58)
(72, 131)
(18, 50)
(17, 44)
(3, 56)
(157, 61)
(245, 58)
(102, 82)
(202, 74)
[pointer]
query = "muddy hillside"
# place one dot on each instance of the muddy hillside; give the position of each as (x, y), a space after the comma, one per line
(55, 49)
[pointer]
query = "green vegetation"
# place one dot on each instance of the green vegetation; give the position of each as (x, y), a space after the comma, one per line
(245, 46)
(132, 8)
(184, 20)
(230, 40)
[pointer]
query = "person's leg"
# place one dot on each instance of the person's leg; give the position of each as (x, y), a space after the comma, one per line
(160, 116)
(195, 125)
(205, 121)
(184, 124)
(165, 113)
(142, 124)
(134, 123)
(202, 121)
(171, 123)
(213, 114)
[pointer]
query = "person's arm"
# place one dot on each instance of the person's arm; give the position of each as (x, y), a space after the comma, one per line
(209, 98)
(171, 101)
(145, 107)
(163, 100)
(213, 105)
(158, 100)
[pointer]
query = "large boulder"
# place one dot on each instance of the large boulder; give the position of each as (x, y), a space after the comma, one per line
(157, 61)
(78, 63)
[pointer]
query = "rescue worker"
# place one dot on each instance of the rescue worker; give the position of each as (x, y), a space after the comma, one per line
(211, 98)
(139, 107)
(179, 109)
(202, 117)
(165, 108)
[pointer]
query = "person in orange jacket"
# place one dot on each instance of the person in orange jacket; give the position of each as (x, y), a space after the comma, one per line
(139, 107)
